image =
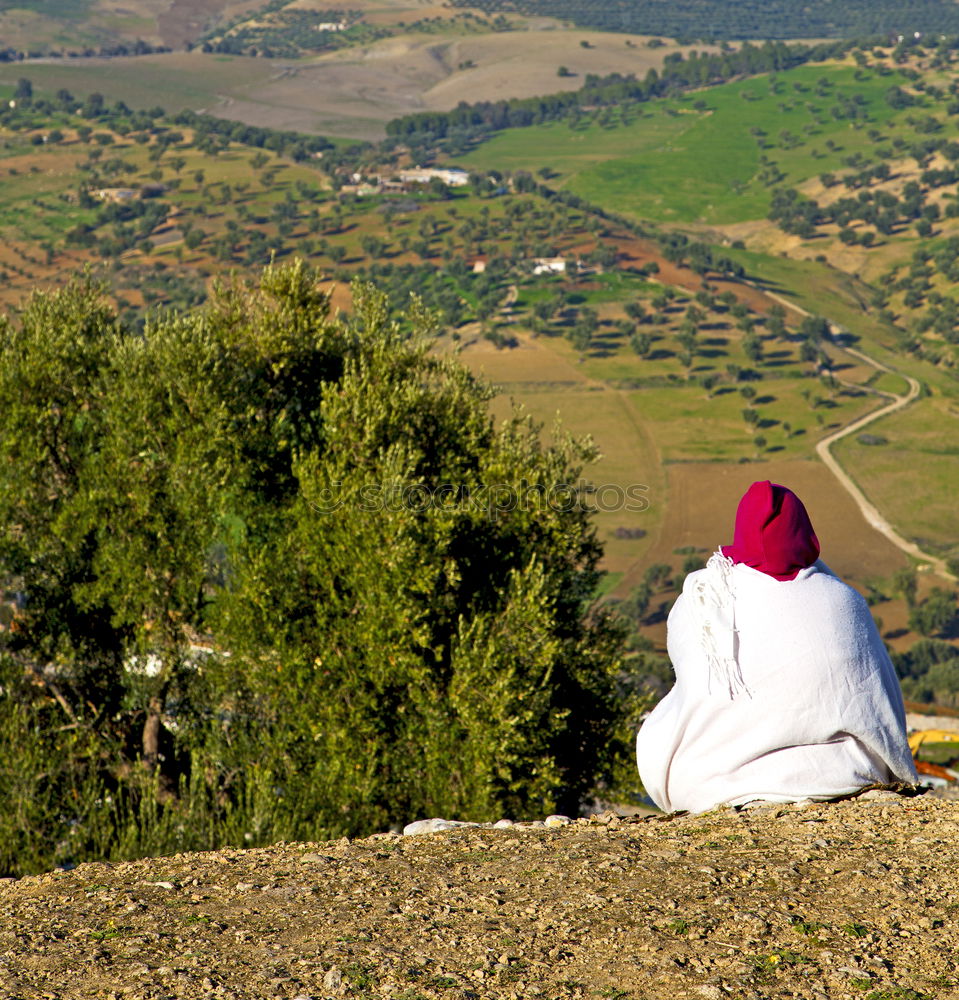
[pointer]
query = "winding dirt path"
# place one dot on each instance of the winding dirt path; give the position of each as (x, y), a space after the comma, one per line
(869, 512)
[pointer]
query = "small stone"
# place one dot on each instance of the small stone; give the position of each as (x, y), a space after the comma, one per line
(333, 979)
(882, 794)
(436, 825)
(163, 885)
(244, 886)
(709, 992)
(316, 859)
(503, 824)
(603, 817)
(557, 820)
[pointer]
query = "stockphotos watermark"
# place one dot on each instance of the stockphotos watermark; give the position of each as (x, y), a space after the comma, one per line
(492, 499)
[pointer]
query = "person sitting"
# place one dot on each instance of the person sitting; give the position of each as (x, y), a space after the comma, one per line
(784, 690)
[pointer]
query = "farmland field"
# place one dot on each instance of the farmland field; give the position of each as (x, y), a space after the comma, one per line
(690, 381)
(689, 453)
(911, 472)
(697, 159)
(551, 387)
(354, 91)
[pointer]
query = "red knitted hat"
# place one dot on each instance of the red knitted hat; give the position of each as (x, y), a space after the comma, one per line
(773, 532)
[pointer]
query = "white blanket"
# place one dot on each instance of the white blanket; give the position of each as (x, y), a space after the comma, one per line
(783, 691)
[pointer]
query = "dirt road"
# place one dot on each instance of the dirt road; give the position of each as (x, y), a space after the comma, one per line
(868, 510)
(823, 901)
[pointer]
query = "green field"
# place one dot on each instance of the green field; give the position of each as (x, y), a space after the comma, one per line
(697, 159)
(913, 477)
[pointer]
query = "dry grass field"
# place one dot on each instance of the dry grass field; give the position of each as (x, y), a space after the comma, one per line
(352, 92)
(69, 25)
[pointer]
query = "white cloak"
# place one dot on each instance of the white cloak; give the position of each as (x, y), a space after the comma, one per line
(784, 691)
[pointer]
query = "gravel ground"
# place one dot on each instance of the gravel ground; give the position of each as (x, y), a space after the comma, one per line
(855, 899)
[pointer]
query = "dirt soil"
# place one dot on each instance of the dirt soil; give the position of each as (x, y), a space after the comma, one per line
(839, 900)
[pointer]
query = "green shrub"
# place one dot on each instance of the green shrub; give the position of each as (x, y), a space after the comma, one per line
(284, 579)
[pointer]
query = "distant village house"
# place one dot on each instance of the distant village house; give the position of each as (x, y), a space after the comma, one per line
(404, 180)
(114, 194)
(549, 265)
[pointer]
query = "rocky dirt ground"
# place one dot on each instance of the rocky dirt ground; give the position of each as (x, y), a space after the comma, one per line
(856, 899)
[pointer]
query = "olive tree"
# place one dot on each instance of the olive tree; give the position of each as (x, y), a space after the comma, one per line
(281, 576)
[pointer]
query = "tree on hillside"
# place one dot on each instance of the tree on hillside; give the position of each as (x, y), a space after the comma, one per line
(282, 577)
(934, 615)
(906, 584)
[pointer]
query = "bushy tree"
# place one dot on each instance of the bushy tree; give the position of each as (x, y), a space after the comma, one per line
(281, 576)
(935, 614)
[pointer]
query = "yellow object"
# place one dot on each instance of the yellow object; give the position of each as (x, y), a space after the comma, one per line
(921, 736)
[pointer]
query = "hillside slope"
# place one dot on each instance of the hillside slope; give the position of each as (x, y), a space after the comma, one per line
(851, 899)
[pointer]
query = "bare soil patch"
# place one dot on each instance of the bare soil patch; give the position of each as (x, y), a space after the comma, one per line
(526, 63)
(396, 76)
(817, 900)
(638, 252)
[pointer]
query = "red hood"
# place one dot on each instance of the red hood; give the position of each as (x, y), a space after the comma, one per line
(773, 532)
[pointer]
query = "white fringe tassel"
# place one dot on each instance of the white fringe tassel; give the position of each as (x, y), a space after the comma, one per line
(715, 601)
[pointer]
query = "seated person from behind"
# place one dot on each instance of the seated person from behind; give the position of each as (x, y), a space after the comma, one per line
(784, 690)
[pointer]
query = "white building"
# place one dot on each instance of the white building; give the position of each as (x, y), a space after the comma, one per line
(423, 175)
(549, 265)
